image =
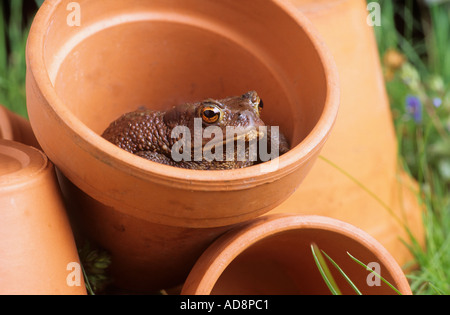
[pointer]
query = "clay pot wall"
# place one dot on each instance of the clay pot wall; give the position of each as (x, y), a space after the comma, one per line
(155, 219)
(37, 249)
(272, 255)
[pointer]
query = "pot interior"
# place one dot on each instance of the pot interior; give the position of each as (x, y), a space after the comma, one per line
(284, 264)
(128, 54)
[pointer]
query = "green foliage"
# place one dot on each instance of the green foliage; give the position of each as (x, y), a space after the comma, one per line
(39, 2)
(95, 262)
(324, 270)
(416, 61)
(13, 38)
(328, 278)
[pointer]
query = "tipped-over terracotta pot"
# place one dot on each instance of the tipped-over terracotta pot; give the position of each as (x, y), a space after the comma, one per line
(37, 249)
(156, 219)
(272, 255)
(363, 142)
(16, 128)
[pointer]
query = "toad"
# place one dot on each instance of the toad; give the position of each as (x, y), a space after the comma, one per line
(207, 135)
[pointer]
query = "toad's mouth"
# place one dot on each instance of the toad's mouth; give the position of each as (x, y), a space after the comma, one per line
(239, 135)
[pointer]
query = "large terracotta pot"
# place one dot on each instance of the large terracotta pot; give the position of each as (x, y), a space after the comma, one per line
(154, 219)
(37, 249)
(272, 255)
(363, 142)
(15, 127)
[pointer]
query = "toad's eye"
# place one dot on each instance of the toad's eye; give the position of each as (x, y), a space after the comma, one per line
(211, 114)
(259, 107)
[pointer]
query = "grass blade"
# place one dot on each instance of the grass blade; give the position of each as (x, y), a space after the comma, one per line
(436, 289)
(3, 50)
(324, 271)
(375, 273)
(87, 282)
(350, 282)
(363, 187)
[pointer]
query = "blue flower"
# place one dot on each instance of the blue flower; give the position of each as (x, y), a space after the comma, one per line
(414, 107)
(437, 102)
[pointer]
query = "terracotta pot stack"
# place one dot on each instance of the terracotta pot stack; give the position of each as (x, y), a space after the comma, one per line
(37, 248)
(163, 224)
(154, 219)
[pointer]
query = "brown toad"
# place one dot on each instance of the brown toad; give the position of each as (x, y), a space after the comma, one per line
(207, 135)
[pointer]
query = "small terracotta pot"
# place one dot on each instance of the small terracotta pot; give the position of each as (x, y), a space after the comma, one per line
(272, 255)
(36, 241)
(15, 127)
(155, 219)
(363, 142)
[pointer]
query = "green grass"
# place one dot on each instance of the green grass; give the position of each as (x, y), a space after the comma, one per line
(321, 263)
(13, 37)
(423, 140)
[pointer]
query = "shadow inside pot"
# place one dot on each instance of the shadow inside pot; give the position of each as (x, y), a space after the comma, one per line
(274, 256)
(284, 264)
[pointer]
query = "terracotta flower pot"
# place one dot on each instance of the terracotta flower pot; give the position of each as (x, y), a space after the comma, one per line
(155, 219)
(15, 127)
(363, 142)
(37, 249)
(272, 255)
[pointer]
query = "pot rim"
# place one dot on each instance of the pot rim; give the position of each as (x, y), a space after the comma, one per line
(33, 163)
(90, 141)
(218, 256)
